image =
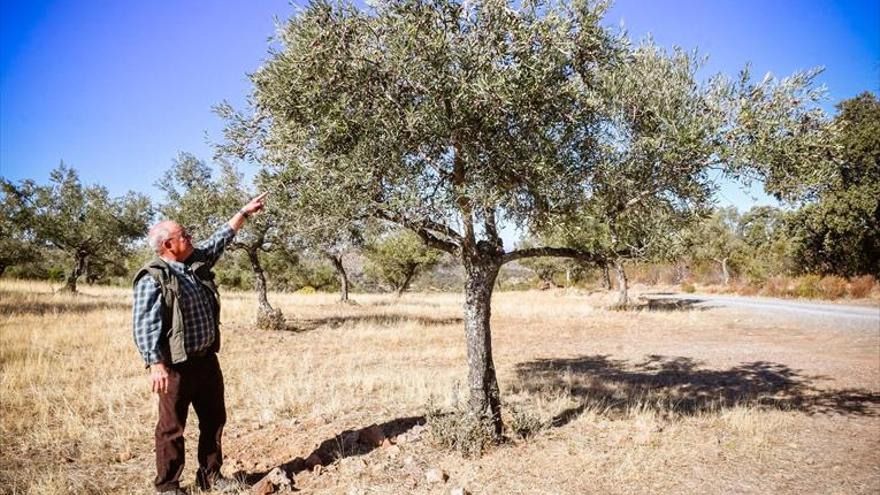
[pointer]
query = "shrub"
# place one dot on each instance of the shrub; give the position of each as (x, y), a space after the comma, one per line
(308, 289)
(523, 423)
(778, 287)
(459, 431)
(688, 288)
(807, 286)
(832, 287)
(861, 287)
(747, 290)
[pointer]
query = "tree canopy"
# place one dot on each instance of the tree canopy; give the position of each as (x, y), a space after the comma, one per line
(83, 222)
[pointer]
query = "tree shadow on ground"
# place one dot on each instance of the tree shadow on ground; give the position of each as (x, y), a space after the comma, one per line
(308, 324)
(347, 443)
(680, 386)
(81, 305)
(647, 303)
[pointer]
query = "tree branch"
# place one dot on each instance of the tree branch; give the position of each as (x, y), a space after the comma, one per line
(423, 229)
(557, 252)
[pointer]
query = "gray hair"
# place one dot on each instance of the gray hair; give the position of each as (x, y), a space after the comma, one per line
(158, 235)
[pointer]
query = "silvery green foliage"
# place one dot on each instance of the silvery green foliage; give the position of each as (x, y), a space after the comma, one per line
(437, 115)
(450, 117)
(84, 222)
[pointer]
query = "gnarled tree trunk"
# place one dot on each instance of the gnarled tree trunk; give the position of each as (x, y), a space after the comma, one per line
(606, 277)
(725, 272)
(343, 277)
(410, 274)
(79, 264)
(622, 284)
(485, 396)
(259, 282)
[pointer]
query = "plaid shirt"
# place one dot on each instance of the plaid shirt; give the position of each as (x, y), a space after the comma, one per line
(195, 304)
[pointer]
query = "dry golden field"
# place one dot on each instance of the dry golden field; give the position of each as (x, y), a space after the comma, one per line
(715, 401)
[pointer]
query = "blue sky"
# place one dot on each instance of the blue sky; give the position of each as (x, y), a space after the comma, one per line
(116, 89)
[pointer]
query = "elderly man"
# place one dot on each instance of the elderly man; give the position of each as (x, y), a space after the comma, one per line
(176, 329)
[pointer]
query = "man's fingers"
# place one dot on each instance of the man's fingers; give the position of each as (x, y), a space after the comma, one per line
(261, 197)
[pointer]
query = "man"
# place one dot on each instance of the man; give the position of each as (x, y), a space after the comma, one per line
(176, 329)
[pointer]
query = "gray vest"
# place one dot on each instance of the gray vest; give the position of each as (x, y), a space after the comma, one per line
(171, 341)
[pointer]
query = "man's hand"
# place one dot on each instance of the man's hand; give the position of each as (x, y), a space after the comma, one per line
(249, 209)
(159, 376)
(255, 204)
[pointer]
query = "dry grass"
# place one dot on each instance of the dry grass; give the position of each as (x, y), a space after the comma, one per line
(627, 402)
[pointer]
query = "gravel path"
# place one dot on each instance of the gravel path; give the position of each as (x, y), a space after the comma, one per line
(867, 317)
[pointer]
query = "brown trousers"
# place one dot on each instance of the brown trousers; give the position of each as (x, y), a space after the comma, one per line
(197, 381)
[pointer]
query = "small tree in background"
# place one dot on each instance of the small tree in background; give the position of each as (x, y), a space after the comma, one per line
(18, 244)
(395, 258)
(202, 203)
(83, 222)
(766, 243)
(718, 239)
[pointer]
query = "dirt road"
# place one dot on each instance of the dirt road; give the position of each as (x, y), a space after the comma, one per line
(867, 317)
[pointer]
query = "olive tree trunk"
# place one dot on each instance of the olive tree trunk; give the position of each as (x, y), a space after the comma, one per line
(606, 277)
(485, 396)
(410, 274)
(259, 282)
(725, 272)
(343, 276)
(622, 284)
(79, 264)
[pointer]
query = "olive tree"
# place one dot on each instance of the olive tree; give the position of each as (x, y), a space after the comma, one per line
(395, 258)
(17, 242)
(202, 202)
(450, 118)
(83, 222)
(718, 238)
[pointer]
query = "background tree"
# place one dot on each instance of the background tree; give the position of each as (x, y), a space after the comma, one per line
(84, 222)
(718, 239)
(17, 242)
(448, 118)
(839, 232)
(395, 258)
(766, 243)
(202, 203)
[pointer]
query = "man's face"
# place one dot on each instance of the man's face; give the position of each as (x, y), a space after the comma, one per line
(179, 243)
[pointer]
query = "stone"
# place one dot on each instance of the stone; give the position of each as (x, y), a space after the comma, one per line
(270, 483)
(124, 456)
(372, 436)
(435, 475)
